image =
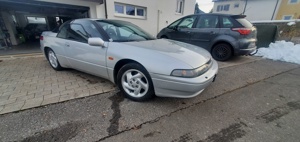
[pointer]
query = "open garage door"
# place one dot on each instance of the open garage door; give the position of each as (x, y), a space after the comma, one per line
(22, 21)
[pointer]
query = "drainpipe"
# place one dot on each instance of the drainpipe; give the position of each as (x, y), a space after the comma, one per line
(105, 7)
(275, 9)
(245, 7)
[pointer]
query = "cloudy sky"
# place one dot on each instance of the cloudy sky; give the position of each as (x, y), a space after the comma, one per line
(205, 5)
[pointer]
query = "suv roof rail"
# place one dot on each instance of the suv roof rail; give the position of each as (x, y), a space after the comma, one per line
(238, 16)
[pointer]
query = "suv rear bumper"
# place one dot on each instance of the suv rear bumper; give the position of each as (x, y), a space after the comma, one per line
(246, 51)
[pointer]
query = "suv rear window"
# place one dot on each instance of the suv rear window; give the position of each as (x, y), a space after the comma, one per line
(244, 22)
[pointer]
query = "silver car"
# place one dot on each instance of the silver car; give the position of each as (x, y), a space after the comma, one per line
(123, 53)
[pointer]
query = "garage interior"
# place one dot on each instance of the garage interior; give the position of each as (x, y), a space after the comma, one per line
(22, 22)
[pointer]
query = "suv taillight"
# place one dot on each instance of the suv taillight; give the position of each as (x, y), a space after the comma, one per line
(41, 38)
(242, 31)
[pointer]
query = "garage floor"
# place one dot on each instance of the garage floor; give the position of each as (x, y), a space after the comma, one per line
(24, 48)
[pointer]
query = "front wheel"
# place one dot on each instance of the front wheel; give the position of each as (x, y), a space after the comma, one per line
(135, 83)
(222, 52)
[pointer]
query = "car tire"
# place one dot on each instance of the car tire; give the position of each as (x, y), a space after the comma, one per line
(54, 63)
(222, 52)
(135, 82)
(165, 37)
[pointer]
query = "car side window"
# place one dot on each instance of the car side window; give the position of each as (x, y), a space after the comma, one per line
(174, 24)
(63, 32)
(187, 22)
(91, 30)
(207, 21)
(226, 23)
(76, 32)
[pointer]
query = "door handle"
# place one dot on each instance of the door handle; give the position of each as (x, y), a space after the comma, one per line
(67, 44)
(212, 32)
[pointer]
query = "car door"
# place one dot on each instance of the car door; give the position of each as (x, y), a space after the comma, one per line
(205, 30)
(181, 32)
(82, 56)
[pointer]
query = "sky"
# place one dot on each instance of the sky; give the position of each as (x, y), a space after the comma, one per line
(205, 5)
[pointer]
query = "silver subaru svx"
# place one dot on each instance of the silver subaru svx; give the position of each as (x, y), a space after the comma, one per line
(123, 53)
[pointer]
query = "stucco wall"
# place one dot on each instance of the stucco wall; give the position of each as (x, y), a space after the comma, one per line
(159, 13)
(255, 9)
(288, 9)
(260, 9)
(232, 9)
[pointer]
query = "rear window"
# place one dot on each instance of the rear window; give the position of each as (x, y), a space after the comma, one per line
(244, 22)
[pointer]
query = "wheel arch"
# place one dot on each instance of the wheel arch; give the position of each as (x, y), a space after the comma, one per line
(120, 64)
(222, 42)
(46, 50)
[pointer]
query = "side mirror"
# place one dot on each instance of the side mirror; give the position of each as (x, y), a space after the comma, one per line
(95, 41)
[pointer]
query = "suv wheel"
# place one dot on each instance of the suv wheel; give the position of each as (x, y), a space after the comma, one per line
(222, 52)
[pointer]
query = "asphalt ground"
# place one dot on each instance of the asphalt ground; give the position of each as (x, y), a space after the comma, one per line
(251, 101)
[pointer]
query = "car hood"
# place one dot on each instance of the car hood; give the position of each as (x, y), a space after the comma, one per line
(192, 55)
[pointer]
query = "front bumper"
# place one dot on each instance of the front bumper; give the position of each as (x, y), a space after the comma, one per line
(170, 86)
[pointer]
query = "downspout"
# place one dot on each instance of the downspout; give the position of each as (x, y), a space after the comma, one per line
(245, 7)
(105, 7)
(275, 9)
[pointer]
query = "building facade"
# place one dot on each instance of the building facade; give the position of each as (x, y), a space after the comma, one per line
(288, 10)
(151, 15)
(254, 9)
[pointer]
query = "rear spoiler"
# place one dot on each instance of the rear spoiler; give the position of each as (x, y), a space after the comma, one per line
(238, 16)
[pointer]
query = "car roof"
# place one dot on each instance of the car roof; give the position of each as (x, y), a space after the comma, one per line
(220, 14)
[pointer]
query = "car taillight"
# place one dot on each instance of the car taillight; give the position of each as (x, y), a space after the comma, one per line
(41, 38)
(242, 31)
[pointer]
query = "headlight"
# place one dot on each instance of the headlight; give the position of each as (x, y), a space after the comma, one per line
(190, 73)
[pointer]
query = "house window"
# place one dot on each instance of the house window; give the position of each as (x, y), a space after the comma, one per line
(236, 5)
(287, 17)
(126, 10)
(179, 6)
(119, 8)
(223, 7)
(293, 1)
(226, 7)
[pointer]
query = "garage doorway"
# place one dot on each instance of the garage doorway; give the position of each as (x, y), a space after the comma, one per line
(22, 22)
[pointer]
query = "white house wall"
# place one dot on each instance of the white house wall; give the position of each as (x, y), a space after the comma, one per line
(232, 10)
(255, 9)
(168, 13)
(260, 9)
(159, 13)
(147, 24)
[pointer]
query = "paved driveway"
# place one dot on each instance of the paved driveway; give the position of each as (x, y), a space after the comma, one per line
(31, 82)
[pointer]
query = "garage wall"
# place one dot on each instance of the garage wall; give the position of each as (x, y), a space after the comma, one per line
(92, 5)
(11, 27)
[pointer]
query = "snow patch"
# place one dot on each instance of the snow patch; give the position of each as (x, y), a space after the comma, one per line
(281, 51)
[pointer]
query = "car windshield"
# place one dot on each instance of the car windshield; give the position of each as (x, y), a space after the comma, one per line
(121, 31)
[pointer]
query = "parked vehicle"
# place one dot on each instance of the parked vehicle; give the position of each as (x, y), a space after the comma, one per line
(139, 64)
(222, 35)
(33, 31)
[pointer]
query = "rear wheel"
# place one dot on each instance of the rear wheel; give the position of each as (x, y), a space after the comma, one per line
(135, 83)
(222, 52)
(53, 60)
